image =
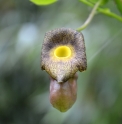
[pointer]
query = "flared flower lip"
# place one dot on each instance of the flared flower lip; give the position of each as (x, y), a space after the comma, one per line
(61, 69)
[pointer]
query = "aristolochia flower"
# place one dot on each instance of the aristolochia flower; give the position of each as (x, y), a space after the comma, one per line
(63, 54)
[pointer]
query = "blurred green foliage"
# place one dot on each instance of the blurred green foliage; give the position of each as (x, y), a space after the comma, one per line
(43, 2)
(24, 88)
(119, 5)
(102, 3)
(103, 8)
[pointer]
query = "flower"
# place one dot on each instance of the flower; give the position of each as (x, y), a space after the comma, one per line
(63, 54)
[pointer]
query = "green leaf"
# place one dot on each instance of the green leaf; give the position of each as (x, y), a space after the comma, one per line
(119, 5)
(43, 2)
(102, 3)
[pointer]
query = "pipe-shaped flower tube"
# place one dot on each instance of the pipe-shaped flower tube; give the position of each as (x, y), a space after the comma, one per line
(63, 95)
(63, 54)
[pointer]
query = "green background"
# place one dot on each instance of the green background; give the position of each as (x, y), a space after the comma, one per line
(24, 87)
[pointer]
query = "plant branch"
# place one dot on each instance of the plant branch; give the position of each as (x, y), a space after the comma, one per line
(103, 11)
(89, 19)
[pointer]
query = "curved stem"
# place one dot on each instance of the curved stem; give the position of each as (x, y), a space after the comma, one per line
(103, 11)
(89, 19)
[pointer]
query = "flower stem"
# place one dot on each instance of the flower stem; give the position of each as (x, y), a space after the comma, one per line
(103, 11)
(89, 19)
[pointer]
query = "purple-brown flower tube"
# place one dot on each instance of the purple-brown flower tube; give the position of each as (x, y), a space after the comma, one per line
(63, 54)
(63, 95)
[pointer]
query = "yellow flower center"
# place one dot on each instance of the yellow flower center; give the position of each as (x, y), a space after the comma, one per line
(62, 51)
